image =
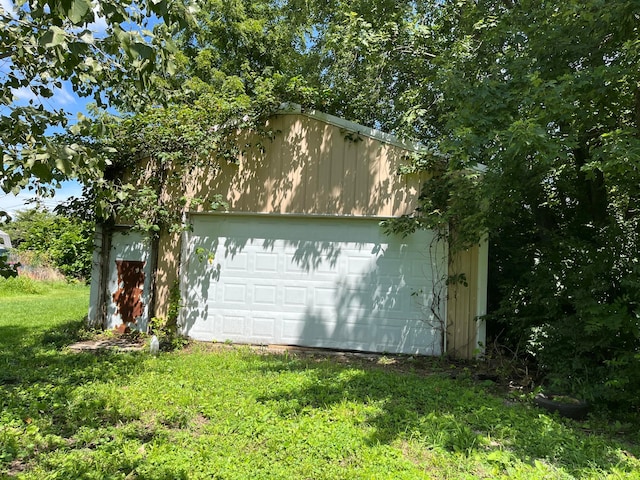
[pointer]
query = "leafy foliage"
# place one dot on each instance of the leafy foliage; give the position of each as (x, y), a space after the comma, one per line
(235, 65)
(47, 43)
(546, 97)
(65, 243)
(7, 270)
(167, 329)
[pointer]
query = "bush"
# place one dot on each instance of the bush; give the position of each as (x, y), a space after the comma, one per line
(54, 240)
(579, 318)
(7, 269)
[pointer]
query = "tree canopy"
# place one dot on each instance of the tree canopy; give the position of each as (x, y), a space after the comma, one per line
(43, 44)
(547, 96)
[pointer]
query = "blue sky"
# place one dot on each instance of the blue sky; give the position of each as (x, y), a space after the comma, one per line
(63, 98)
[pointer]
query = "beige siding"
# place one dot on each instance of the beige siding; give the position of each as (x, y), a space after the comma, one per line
(311, 167)
(166, 272)
(462, 304)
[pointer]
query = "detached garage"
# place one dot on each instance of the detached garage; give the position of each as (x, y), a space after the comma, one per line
(300, 257)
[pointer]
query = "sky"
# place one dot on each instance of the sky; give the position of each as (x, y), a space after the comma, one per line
(63, 98)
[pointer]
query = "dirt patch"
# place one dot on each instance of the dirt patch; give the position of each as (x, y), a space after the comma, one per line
(421, 365)
(16, 467)
(120, 344)
(200, 421)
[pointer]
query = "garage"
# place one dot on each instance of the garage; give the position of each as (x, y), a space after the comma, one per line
(312, 281)
(294, 253)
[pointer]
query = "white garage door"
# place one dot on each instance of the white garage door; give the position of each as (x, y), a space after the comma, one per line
(321, 282)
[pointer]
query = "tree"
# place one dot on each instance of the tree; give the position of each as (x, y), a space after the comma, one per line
(234, 66)
(62, 242)
(547, 96)
(43, 44)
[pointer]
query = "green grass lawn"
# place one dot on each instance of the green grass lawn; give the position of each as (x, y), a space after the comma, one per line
(234, 414)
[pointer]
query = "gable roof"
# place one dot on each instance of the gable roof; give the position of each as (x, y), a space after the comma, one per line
(354, 127)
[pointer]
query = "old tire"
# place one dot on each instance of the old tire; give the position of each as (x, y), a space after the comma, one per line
(577, 410)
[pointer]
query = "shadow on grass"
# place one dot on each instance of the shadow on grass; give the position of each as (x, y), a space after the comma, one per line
(90, 432)
(437, 412)
(67, 414)
(40, 381)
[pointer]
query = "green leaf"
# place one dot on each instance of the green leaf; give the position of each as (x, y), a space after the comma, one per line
(64, 165)
(78, 11)
(141, 50)
(87, 37)
(54, 37)
(171, 68)
(159, 7)
(42, 171)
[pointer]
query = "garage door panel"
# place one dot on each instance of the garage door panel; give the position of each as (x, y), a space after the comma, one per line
(203, 325)
(324, 297)
(386, 264)
(295, 327)
(305, 266)
(265, 295)
(237, 262)
(357, 265)
(418, 273)
(263, 328)
(335, 283)
(295, 297)
(235, 293)
(233, 325)
(266, 262)
(368, 299)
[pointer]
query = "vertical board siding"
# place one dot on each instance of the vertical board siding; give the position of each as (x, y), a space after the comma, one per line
(462, 304)
(311, 167)
(334, 190)
(166, 271)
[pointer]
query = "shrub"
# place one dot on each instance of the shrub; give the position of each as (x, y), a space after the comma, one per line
(579, 318)
(7, 269)
(54, 240)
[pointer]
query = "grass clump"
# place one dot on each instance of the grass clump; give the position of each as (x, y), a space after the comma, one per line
(24, 285)
(20, 285)
(233, 413)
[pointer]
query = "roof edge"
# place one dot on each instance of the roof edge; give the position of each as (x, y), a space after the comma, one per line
(294, 108)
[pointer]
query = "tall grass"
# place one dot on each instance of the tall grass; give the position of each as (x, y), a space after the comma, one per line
(36, 265)
(22, 285)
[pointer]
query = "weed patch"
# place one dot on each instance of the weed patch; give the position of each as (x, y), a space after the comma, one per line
(21, 285)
